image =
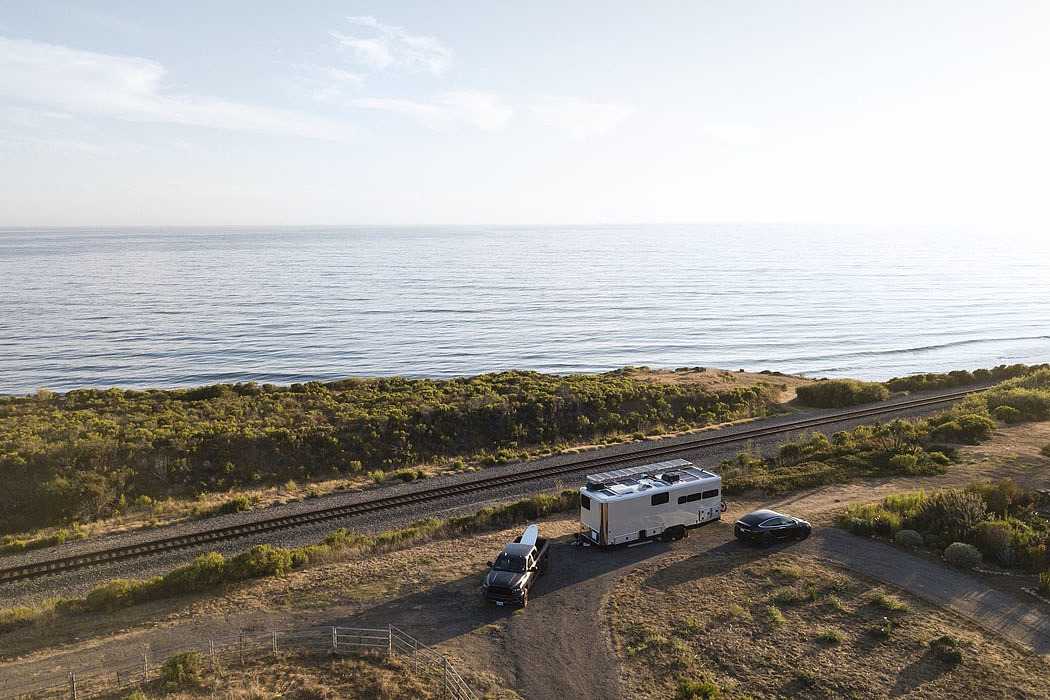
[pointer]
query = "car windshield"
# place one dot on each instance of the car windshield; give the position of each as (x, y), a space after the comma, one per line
(509, 562)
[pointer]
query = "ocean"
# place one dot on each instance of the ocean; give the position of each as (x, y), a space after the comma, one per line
(158, 307)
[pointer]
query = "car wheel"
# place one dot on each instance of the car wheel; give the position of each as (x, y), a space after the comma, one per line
(804, 533)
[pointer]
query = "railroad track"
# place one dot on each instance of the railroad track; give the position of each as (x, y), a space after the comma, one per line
(143, 549)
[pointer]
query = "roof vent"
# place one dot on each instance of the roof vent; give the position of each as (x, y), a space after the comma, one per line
(670, 477)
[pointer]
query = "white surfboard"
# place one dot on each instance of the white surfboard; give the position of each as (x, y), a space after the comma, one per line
(531, 533)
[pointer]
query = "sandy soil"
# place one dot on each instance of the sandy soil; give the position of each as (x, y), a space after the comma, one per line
(751, 621)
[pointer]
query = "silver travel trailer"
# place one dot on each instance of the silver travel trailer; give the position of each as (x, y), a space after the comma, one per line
(664, 500)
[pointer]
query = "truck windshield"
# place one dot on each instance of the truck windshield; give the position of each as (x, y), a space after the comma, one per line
(509, 562)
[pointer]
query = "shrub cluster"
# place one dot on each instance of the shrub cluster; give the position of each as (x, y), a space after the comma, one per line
(181, 671)
(963, 555)
(996, 518)
(89, 453)
(838, 393)
(869, 450)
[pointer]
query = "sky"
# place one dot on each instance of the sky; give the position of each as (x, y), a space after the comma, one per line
(264, 112)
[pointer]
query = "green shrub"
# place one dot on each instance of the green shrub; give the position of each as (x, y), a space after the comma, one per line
(1007, 414)
(904, 464)
(774, 617)
(830, 636)
(702, 689)
(806, 676)
(870, 519)
(952, 513)
(1044, 583)
(1028, 404)
(838, 393)
(117, 594)
(203, 573)
(236, 505)
(938, 458)
(260, 560)
(1001, 497)
(946, 649)
(968, 428)
(963, 555)
(993, 536)
(908, 538)
(181, 671)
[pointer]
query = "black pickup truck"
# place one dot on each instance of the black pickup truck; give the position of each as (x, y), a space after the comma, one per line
(514, 571)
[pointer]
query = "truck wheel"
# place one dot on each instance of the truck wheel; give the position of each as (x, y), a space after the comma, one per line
(667, 535)
(678, 532)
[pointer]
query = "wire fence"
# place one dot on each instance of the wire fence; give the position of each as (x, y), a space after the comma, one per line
(130, 673)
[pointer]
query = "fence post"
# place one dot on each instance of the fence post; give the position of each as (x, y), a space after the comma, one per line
(211, 651)
(335, 640)
(145, 669)
(444, 678)
(389, 639)
(275, 644)
(72, 685)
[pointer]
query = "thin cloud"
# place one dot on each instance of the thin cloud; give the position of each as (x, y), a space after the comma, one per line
(132, 89)
(393, 47)
(478, 109)
(581, 118)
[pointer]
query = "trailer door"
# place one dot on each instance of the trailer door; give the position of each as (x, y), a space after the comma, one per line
(603, 534)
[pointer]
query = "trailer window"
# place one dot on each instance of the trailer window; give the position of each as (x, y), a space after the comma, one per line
(585, 502)
(711, 494)
(690, 498)
(660, 498)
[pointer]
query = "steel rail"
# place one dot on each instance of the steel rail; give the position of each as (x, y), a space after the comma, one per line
(283, 522)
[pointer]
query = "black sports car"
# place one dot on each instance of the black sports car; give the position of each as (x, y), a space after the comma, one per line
(766, 526)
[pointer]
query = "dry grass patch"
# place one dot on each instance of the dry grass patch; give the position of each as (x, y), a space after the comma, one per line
(425, 577)
(808, 636)
(297, 678)
(1016, 451)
